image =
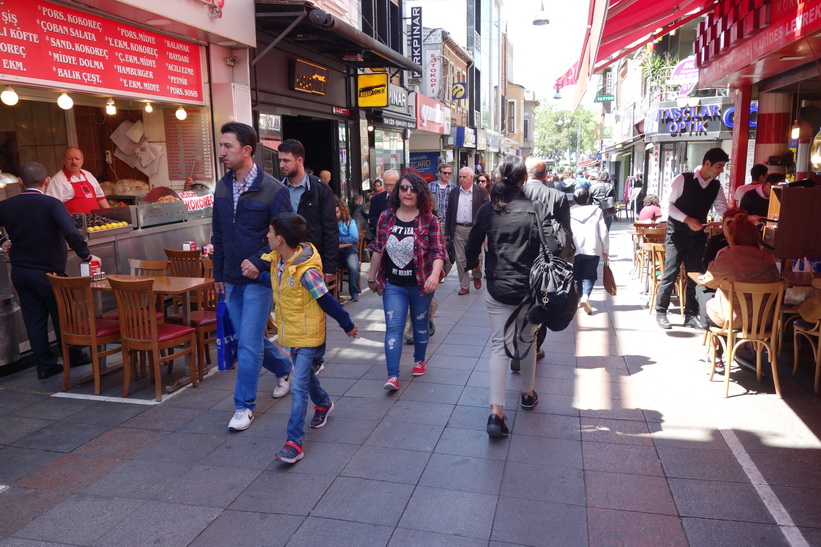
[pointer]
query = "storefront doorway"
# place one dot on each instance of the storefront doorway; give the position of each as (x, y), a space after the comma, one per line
(319, 138)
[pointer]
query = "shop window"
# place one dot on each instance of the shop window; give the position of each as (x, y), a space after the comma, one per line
(32, 131)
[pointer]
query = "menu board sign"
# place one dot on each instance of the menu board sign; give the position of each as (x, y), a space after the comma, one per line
(49, 44)
(188, 143)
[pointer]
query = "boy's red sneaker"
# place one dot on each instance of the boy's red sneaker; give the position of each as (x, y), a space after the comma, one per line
(392, 384)
(418, 369)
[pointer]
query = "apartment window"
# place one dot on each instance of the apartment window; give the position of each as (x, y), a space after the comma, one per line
(524, 130)
(511, 117)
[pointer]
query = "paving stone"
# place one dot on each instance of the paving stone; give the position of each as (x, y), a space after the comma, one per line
(81, 519)
(119, 443)
(264, 495)
(184, 448)
(403, 537)
(210, 422)
(393, 434)
(320, 458)
(13, 427)
(442, 375)
(615, 431)
(170, 524)
(700, 437)
(16, 463)
(719, 500)
(319, 531)
(449, 512)
(528, 522)
(134, 479)
(368, 408)
(68, 473)
(472, 443)
(163, 418)
(710, 531)
(611, 527)
(802, 470)
(62, 436)
(364, 500)
(341, 430)
(388, 464)
(450, 362)
(375, 386)
(196, 398)
(802, 503)
(621, 458)
(106, 413)
(543, 425)
(480, 396)
(243, 452)
(420, 412)
(242, 528)
(19, 506)
(539, 480)
(629, 492)
(337, 387)
(473, 417)
(459, 350)
(686, 463)
(463, 473)
(55, 408)
(12, 400)
(213, 486)
(20, 542)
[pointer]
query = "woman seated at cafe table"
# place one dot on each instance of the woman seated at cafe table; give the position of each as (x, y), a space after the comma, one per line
(742, 261)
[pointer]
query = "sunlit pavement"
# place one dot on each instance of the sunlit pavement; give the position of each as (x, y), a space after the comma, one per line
(629, 445)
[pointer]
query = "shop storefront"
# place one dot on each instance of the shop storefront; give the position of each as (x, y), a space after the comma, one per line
(463, 142)
(389, 130)
(426, 146)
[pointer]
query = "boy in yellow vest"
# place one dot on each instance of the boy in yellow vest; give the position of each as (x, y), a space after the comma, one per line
(301, 302)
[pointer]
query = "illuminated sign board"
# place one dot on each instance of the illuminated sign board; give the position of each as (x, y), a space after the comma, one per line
(372, 90)
(308, 77)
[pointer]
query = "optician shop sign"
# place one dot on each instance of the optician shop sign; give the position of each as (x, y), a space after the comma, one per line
(52, 45)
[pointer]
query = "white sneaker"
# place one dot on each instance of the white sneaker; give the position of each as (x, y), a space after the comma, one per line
(283, 387)
(242, 420)
(586, 306)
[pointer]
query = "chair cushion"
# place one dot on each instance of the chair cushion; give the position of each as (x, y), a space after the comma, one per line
(199, 318)
(167, 332)
(115, 315)
(106, 327)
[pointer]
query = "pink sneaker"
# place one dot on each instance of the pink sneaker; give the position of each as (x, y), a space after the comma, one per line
(418, 369)
(392, 384)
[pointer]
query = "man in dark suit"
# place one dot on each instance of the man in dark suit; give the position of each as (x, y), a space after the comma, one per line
(39, 227)
(379, 201)
(463, 204)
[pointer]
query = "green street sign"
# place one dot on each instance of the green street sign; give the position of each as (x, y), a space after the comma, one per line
(605, 98)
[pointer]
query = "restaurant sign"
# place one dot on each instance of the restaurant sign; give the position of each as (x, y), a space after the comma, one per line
(308, 77)
(52, 45)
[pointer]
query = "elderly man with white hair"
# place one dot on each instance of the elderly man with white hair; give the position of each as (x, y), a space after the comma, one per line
(463, 204)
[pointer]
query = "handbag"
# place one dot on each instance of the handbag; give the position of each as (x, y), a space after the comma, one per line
(608, 207)
(609, 280)
(227, 341)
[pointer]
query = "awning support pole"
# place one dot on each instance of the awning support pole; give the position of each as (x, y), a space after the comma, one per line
(741, 131)
(279, 38)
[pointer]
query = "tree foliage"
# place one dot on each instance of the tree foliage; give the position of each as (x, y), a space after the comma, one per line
(558, 141)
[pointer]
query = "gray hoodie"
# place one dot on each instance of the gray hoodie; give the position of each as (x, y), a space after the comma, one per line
(589, 230)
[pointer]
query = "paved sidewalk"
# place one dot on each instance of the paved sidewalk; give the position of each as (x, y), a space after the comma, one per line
(629, 445)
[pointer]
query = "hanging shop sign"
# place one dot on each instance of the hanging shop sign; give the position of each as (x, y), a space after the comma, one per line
(431, 114)
(463, 137)
(458, 91)
(685, 75)
(52, 45)
(397, 99)
(416, 38)
(308, 77)
(700, 122)
(372, 90)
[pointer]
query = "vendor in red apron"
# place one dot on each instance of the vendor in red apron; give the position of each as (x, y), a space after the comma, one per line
(76, 187)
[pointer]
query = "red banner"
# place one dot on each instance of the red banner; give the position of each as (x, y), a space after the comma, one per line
(51, 45)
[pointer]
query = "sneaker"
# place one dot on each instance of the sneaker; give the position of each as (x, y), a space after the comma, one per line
(355, 298)
(392, 384)
(719, 365)
(418, 369)
(321, 416)
(242, 420)
(529, 401)
(431, 328)
(291, 452)
(283, 387)
(409, 342)
(497, 427)
(587, 308)
(318, 367)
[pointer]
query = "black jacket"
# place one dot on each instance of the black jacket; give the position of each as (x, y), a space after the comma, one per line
(601, 191)
(317, 207)
(480, 197)
(358, 213)
(379, 203)
(39, 227)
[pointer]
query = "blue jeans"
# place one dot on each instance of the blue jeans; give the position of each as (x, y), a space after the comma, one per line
(396, 300)
(249, 307)
(351, 263)
(303, 383)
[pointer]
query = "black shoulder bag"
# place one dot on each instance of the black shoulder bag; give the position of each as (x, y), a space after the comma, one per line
(553, 298)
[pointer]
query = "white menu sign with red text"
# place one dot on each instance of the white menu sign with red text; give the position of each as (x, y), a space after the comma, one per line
(52, 45)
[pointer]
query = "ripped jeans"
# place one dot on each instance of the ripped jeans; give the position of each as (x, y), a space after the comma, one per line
(396, 300)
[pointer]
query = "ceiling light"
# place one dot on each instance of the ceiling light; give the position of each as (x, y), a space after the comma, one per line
(181, 114)
(541, 18)
(793, 57)
(64, 102)
(110, 109)
(370, 128)
(158, 22)
(796, 131)
(149, 108)
(9, 97)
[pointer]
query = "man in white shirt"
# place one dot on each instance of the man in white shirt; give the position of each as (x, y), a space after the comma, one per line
(692, 195)
(758, 175)
(76, 187)
(463, 204)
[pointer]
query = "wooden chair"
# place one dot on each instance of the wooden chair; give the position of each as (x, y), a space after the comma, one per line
(79, 326)
(360, 246)
(156, 268)
(657, 253)
(207, 267)
(141, 333)
(184, 263)
(645, 234)
(756, 306)
(812, 332)
(204, 320)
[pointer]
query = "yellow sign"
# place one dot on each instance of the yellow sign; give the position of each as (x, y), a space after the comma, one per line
(372, 90)
(458, 91)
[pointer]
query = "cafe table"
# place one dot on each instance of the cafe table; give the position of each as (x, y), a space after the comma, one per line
(800, 279)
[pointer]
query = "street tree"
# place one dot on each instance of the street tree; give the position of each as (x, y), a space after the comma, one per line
(564, 136)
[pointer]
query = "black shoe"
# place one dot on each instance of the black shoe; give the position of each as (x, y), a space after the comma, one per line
(431, 328)
(79, 358)
(529, 401)
(50, 371)
(663, 322)
(694, 322)
(497, 427)
(540, 354)
(409, 342)
(515, 365)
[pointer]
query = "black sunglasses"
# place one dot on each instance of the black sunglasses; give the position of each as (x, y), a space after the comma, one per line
(407, 187)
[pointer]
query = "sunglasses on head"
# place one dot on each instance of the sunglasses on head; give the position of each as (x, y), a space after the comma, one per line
(407, 188)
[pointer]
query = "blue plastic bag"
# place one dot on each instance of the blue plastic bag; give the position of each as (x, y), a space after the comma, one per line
(226, 337)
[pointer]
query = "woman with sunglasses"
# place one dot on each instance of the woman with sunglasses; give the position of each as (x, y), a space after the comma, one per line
(408, 254)
(483, 180)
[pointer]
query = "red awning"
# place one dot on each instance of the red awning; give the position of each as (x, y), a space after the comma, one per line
(614, 25)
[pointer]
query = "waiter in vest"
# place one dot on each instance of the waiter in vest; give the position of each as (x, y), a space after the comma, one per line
(692, 195)
(75, 187)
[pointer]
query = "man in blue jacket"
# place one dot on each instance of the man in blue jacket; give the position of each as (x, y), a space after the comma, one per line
(245, 199)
